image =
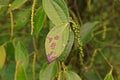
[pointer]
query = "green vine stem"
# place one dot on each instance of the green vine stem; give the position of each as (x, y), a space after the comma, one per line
(12, 25)
(33, 39)
(77, 13)
(32, 16)
(104, 31)
(106, 44)
(61, 69)
(89, 5)
(16, 71)
(106, 60)
(93, 58)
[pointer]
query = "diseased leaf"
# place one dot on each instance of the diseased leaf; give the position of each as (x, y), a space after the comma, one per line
(39, 19)
(56, 41)
(49, 71)
(16, 4)
(68, 47)
(21, 18)
(72, 76)
(56, 10)
(21, 54)
(2, 56)
(86, 31)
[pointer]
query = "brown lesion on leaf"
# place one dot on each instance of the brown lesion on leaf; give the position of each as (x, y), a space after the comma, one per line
(15, 23)
(50, 57)
(53, 45)
(56, 37)
(24, 19)
(49, 39)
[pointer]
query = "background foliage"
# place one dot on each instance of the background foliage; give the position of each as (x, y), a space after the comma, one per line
(97, 21)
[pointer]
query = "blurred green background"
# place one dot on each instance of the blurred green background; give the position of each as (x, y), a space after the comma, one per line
(106, 36)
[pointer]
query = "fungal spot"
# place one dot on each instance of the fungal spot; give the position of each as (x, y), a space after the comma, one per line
(49, 54)
(49, 39)
(53, 45)
(50, 57)
(24, 19)
(15, 23)
(56, 37)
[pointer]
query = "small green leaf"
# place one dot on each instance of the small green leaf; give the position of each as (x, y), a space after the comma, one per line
(39, 19)
(16, 4)
(109, 76)
(56, 10)
(2, 56)
(72, 76)
(20, 73)
(68, 47)
(21, 54)
(56, 41)
(21, 18)
(86, 31)
(49, 71)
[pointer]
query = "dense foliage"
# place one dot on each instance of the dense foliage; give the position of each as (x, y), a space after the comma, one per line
(59, 40)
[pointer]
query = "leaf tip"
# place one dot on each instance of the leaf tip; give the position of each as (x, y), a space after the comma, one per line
(51, 57)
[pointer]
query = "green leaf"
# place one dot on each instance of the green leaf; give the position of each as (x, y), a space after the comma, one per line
(10, 51)
(20, 73)
(109, 76)
(56, 10)
(86, 31)
(16, 4)
(8, 71)
(56, 41)
(2, 56)
(72, 76)
(39, 19)
(21, 54)
(49, 71)
(68, 47)
(21, 18)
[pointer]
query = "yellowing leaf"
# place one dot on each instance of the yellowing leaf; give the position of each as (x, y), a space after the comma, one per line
(2, 56)
(56, 41)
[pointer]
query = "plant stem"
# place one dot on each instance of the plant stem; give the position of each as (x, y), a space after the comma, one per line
(12, 25)
(33, 39)
(92, 59)
(16, 71)
(32, 16)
